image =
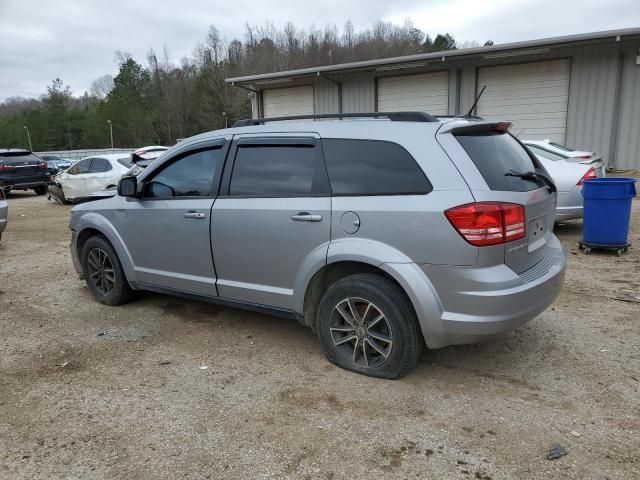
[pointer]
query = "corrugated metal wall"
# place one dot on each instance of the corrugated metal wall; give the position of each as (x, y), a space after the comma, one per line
(592, 114)
(358, 93)
(628, 141)
(592, 90)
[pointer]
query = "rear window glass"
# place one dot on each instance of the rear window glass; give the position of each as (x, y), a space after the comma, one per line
(561, 147)
(372, 167)
(19, 157)
(125, 162)
(496, 154)
(545, 153)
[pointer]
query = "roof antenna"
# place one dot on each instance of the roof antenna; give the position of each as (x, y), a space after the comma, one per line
(468, 115)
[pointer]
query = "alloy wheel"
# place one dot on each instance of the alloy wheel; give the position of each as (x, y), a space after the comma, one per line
(361, 331)
(101, 272)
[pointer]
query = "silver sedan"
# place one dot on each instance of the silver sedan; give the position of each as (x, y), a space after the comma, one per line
(568, 173)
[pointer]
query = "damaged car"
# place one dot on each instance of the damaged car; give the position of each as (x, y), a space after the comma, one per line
(91, 174)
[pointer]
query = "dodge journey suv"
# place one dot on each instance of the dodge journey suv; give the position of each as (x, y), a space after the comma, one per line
(381, 232)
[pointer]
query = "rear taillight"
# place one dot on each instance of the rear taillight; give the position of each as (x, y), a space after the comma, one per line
(43, 165)
(583, 157)
(6, 168)
(591, 173)
(488, 223)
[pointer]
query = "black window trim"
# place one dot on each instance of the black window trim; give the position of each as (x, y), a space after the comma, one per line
(217, 144)
(274, 141)
(392, 194)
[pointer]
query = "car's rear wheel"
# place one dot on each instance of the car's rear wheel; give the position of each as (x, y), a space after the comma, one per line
(41, 189)
(367, 325)
(103, 272)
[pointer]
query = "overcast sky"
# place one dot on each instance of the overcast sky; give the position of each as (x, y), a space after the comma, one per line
(76, 40)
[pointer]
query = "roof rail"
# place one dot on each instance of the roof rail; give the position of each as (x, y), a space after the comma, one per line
(393, 116)
(463, 117)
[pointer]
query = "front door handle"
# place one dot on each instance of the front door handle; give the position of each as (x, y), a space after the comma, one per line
(196, 215)
(306, 217)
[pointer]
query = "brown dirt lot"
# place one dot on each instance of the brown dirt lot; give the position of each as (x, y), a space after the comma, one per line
(136, 402)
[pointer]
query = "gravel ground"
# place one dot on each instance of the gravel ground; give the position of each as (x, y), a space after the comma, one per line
(170, 388)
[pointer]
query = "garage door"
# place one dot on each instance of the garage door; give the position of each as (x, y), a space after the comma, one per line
(280, 102)
(534, 96)
(428, 92)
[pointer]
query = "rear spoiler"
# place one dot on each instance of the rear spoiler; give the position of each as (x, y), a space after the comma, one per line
(135, 158)
(470, 128)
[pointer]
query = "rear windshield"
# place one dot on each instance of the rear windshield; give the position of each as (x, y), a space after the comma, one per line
(561, 147)
(496, 154)
(546, 153)
(125, 162)
(18, 157)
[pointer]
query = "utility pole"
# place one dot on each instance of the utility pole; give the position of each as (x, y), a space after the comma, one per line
(26, 129)
(110, 132)
(224, 114)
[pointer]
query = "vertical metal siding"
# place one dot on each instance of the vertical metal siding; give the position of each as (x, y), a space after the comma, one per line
(358, 93)
(592, 98)
(628, 152)
(325, 96)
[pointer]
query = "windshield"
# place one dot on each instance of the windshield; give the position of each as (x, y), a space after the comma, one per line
(496, 154)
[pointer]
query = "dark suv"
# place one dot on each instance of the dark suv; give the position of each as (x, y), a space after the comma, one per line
(22, 170)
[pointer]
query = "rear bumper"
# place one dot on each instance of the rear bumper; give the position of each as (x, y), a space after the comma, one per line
(569, 206)
(30, 181)
(480, 303)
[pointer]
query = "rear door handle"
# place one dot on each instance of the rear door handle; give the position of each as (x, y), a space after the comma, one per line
(306, 217)
(196, 215)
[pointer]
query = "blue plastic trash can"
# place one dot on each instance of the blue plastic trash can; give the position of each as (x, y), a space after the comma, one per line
(607, 210)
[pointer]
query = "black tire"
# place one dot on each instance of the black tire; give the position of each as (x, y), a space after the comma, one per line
(41, 189)
(108, 289)
(402, 342)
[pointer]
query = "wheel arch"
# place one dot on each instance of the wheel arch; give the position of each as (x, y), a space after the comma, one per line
(94, 224)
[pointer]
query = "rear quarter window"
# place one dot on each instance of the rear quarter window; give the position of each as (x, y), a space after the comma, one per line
(495, 154)
(372, 167)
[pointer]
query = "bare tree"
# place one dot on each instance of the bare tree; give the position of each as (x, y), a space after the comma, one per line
(101, 86)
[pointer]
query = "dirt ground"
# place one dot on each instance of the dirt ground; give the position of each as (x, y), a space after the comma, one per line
(170, 388)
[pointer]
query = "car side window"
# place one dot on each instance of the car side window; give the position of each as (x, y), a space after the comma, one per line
(272, 170)
(191, 175)
(372, 167)
(82, 166)
(100, 165)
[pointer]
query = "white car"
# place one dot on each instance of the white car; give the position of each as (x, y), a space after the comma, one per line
(556, 151)
(568, 175)
(92, 174)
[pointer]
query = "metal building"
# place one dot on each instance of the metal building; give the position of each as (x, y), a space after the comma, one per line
(581, 90)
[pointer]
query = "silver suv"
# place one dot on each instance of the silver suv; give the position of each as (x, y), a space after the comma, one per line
(380, 232)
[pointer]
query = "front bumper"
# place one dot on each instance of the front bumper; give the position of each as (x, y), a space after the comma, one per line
(74, 254)
(4, 213)
(479, 303)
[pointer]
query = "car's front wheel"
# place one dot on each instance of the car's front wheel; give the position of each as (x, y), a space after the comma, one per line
(367, 325)
(103, 272)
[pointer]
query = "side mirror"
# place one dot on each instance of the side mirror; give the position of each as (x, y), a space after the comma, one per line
(128, 187)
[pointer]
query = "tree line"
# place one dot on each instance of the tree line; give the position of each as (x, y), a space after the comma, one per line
(160, 102)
